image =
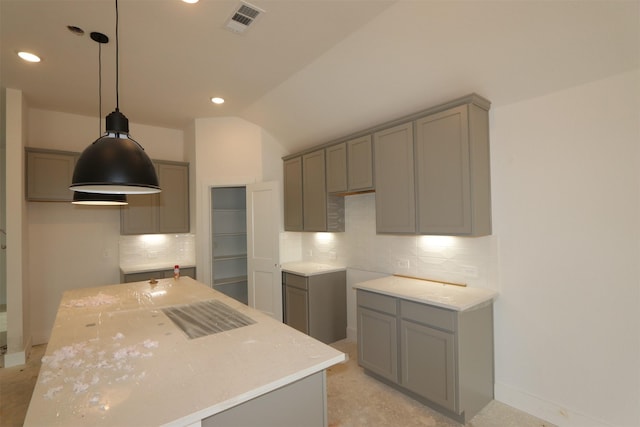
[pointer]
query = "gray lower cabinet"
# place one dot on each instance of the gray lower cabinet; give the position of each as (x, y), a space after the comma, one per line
(164, 212)
(49, 174)
(441, 357)
(316, 305)
(156, 274)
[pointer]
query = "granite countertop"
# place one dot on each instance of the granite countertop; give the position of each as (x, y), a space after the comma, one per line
(304, 268)
(452, 297)
(116, 358)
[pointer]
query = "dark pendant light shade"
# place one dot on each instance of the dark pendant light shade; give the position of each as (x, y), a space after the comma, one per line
(97, 199)
(115, 163)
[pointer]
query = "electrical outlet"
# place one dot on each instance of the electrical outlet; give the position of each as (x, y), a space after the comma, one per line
(309, 252)
(402, 263)
(469, 271)
(333, 255)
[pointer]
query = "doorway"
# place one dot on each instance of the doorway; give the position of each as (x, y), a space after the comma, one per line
(229, 241)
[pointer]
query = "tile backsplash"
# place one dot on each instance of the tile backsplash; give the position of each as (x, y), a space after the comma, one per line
(470, 260)
(157, 249)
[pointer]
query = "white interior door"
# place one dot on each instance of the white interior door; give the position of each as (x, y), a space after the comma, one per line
(263, 248)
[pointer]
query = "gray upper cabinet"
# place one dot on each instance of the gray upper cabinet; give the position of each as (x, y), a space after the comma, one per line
(452, 164)
(49, 175)
(173, 205)
(293, 194)
(164, 212)
(360, 164)
(336, 157)
(350, 166)
(395, 195)
(308, 206)
(314, 200)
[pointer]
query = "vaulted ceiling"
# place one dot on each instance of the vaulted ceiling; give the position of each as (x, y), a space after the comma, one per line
(309, 71)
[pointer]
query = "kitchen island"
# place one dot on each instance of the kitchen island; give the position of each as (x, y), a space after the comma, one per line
(149, 354)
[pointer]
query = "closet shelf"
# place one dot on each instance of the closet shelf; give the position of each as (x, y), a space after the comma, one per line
(229, 280)
(229, 257)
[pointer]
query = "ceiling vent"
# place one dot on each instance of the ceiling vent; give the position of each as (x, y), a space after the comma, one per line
(243, 17)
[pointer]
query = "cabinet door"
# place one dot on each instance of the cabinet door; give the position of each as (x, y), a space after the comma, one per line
(296, 308)
(49, 176)
(428, 363)
(173, 211)
(293, 194)
(140, 216)
(442, 150)
(395, 195)
(314, 192)
(360, 164)
(378, 343)
(336, 168)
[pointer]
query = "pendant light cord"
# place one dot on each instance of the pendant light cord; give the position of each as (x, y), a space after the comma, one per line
(117, 63)
(99, 89)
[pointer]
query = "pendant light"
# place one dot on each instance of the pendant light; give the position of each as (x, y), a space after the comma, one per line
(115, 163)
(99, 199)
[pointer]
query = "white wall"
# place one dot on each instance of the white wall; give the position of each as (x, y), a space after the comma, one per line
(563, 255)
(565, 172)
(73, 246)
(18, 291)
(228, 151)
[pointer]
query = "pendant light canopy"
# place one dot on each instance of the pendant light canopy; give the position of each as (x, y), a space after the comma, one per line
(115, 163)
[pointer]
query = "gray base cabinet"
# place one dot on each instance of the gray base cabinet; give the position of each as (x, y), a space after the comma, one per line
(303, 403)
(316, 305)
(440, 357)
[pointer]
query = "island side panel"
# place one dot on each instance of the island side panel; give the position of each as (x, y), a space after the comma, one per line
(302, 403)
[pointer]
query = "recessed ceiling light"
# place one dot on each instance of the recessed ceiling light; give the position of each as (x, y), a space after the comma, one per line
(217, 100)
(190, 1)
(29, 57)
(75, 30)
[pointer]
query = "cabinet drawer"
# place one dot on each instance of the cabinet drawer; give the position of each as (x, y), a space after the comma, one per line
(295, 281)
(377, 302)
(428, 315)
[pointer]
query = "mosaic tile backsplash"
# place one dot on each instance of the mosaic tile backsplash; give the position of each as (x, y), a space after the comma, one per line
(157, 249)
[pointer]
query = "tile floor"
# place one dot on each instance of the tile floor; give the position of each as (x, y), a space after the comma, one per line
(354, 399)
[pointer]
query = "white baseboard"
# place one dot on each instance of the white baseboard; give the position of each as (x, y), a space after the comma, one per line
(541, 408)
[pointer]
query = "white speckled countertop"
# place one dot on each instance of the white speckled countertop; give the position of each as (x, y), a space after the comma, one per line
(115, 358)
(452, 297)
(310, 268)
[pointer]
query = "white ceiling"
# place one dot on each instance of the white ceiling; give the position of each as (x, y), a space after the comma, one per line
(309, 71)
